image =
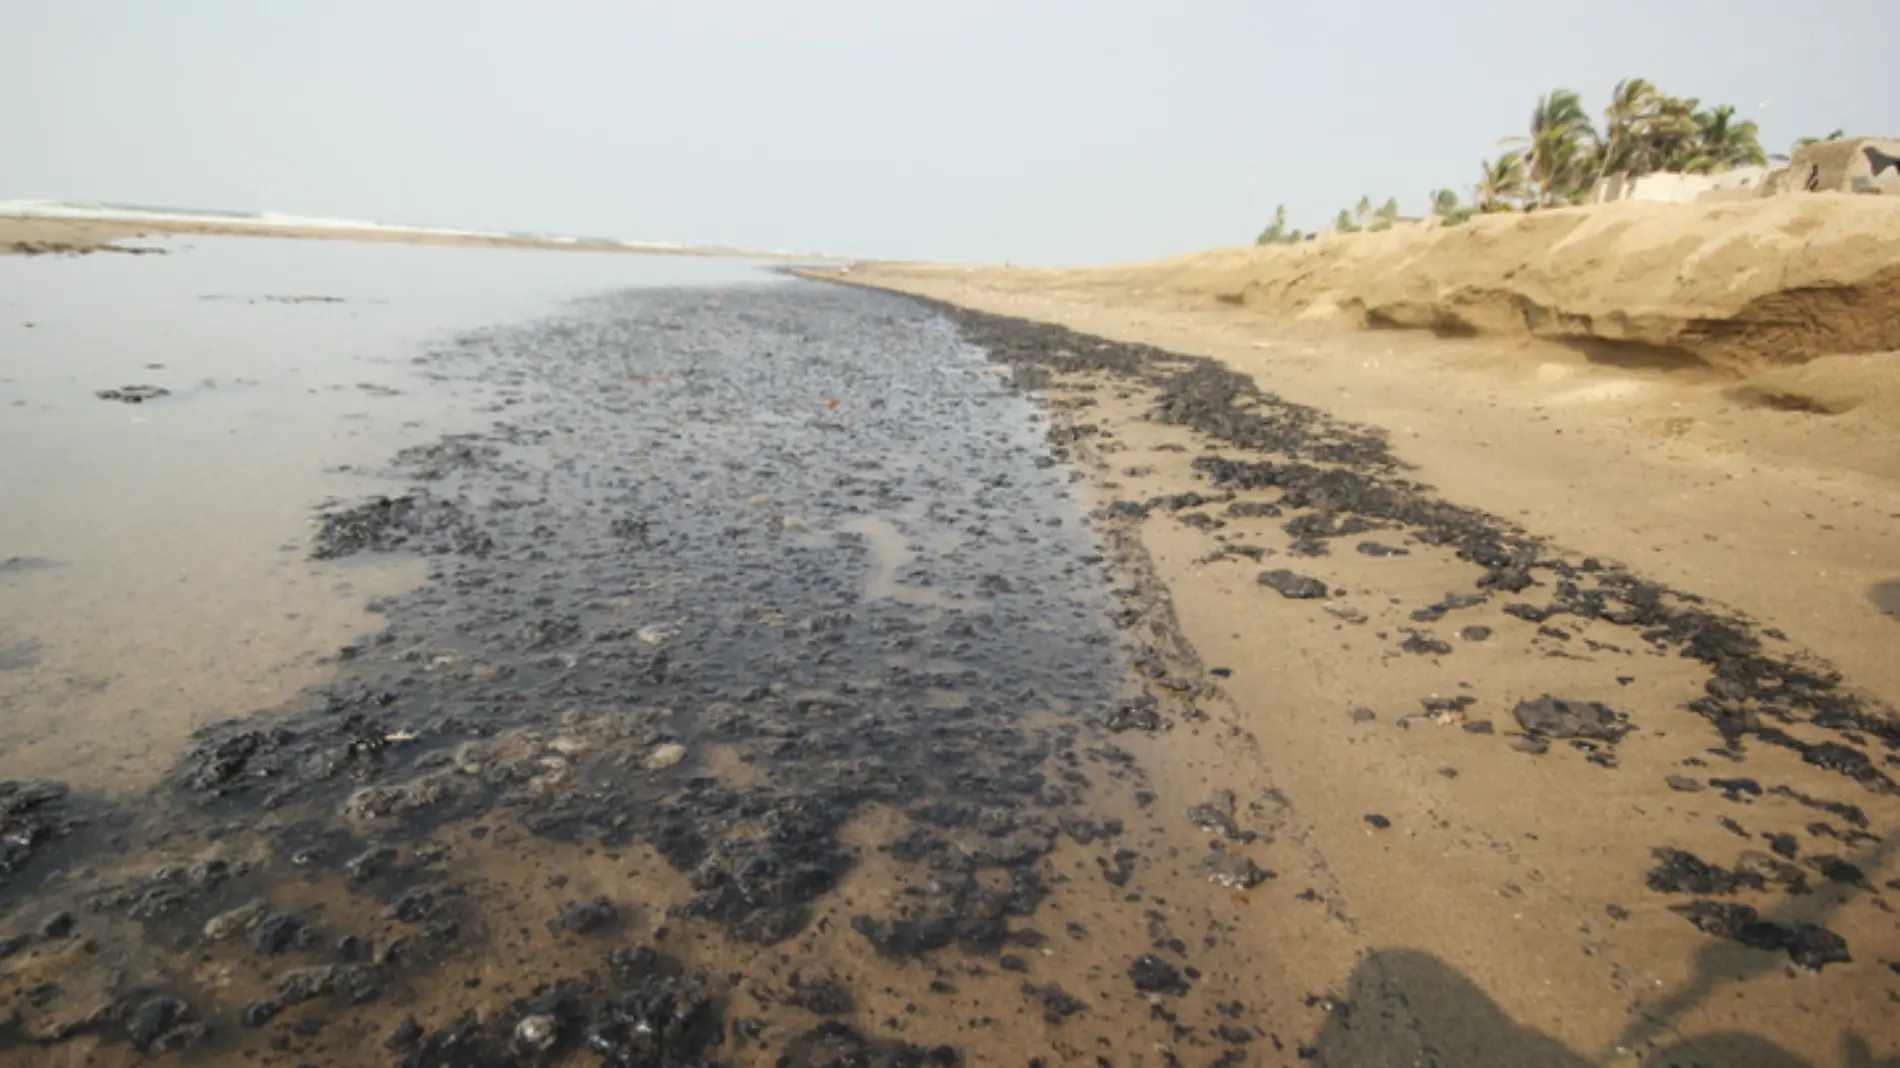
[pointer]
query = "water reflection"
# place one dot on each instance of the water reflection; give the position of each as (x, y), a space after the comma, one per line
(151, 572)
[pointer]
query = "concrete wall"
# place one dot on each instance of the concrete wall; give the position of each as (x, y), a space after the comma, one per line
(1841, 167)
(1828, 167)
(1741, 183)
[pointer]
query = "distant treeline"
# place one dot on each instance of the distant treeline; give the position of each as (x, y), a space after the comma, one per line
(1561, 159)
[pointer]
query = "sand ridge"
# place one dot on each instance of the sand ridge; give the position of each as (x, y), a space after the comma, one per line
(1733, 288)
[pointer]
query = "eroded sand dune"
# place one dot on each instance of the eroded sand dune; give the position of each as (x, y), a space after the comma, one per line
(1739, 287)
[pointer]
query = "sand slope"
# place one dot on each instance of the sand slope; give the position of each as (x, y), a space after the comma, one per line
(1738, 287)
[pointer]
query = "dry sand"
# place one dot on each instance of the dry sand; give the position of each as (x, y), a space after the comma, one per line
(1733, 288)
(1706, 394)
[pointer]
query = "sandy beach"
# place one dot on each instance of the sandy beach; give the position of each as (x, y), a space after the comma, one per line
(1707, 395)
(1455, 647)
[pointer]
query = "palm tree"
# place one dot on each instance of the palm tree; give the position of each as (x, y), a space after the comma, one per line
(1630, 105)
(1670, 135)
(1725, 143)
(1362, 209)
(1559, 131)
(1504, 180)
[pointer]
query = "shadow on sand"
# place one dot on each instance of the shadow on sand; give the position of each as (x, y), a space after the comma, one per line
(1408, 1008)
(1413, 1010)
(1886, 596)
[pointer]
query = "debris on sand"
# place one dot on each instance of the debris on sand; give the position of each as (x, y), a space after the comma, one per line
(1057, 1004)
(381, 802)
(537, 1032)
(132, 394)
(1293, 586)
(834, 1043)
(663, 756)
(1682, 872)
(437, 460)
(824, 996)
(1853, 814)
(1734, 789)
(1556, 717)
(32, 815)
(1836, 870)
(1233, 870)
(1152, 975)
(1139, 714)
(585, 917)
(1373, 548)
(1253, 509)
(162, 1024)
(1448, 711)
(415, 521)
(1809, 946)
(1421, 643)
(650, 1012)
(1773, 870)
(1216, 814)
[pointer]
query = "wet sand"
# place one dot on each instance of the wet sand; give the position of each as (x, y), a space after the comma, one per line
(788, 673)
(41, 236)
(20, 236)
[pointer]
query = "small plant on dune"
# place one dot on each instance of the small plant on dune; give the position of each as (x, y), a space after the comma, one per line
(1277, 233)
(1502, 183)
(1447, 210)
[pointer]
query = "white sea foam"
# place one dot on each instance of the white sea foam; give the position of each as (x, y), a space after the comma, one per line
(56, 209)
(272, 220)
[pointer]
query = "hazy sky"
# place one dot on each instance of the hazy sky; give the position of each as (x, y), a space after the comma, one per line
(1035, 130)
